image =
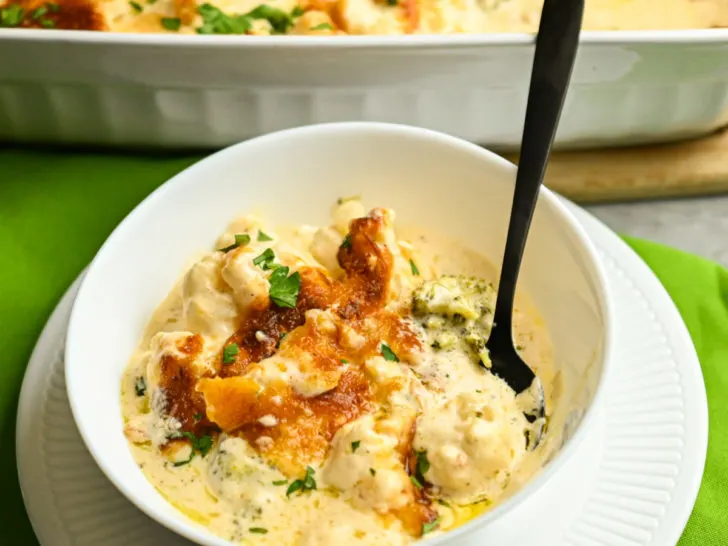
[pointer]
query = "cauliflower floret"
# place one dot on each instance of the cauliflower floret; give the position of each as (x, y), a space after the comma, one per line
(156, 425)
(384, 371)
(366, 17)
(208, 306)
(247, 279)
(168, 344)
(473, 442)
(250, 224)
(345, 210)
(403, 280)
(365, 462)
(238, 475)
(324, 247)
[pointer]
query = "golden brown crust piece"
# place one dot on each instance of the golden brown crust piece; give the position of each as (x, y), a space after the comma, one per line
(61, 14)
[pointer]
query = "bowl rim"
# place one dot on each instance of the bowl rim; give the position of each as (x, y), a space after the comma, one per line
(199, 534)
(409, 41)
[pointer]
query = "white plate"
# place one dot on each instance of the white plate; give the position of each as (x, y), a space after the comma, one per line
(633, 481)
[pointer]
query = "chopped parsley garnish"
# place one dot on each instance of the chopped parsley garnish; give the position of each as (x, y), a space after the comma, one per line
(297, 11)
(322, 26)
(173, 23)
(372, 472)
(431, 526)
(413, 267)
(47, 23)
(344, 361)
(39, 12)
(229, 353)
(346, 243)
(342, 200)
(280, 482)
(265, 259)
(215, 21)
(392, 2)
(197, 417)
(388, 353)
(278, 345)
(140, 386)
(258, 530)
(136, 6)
(241, 239)
(278, 19)
(54, 8)
(186, 461)
(443, 503)
(264, 236)
(355, 445)
(201, 445)
(308, 483)
(421, 467)
(284, 289)
(11, 16)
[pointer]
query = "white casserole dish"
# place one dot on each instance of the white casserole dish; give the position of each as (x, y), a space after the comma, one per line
(193, 91)
(293, 177)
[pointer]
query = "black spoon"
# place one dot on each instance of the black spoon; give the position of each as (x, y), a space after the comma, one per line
(556, 44)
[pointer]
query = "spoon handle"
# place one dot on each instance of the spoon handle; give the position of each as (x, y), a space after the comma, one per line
(556, 45)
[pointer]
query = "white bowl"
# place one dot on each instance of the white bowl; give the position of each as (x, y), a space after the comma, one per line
(430, 179)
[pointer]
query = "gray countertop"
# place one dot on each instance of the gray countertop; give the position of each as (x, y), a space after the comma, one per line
(697, 225)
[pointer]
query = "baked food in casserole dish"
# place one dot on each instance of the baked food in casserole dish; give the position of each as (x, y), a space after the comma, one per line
(335, 17)
(182, 89)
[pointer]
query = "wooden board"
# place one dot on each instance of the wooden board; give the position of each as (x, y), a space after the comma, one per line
(695, 167)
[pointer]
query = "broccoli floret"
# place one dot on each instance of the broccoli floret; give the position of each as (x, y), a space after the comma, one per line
(456, 307)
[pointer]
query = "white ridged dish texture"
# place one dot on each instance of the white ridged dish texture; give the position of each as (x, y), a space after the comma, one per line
(127, 90)
(633, 481)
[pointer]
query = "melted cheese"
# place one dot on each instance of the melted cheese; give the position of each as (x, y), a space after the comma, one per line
(314, 428)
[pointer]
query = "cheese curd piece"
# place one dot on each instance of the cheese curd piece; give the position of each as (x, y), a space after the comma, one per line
(237, 474)
(208, 306)
(365, 463)
(473, 442)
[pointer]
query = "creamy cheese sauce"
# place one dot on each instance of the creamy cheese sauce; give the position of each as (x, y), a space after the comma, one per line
(430, 439)
(334, 17)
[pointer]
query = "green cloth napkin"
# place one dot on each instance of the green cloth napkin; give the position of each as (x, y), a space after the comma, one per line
(56, 208)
